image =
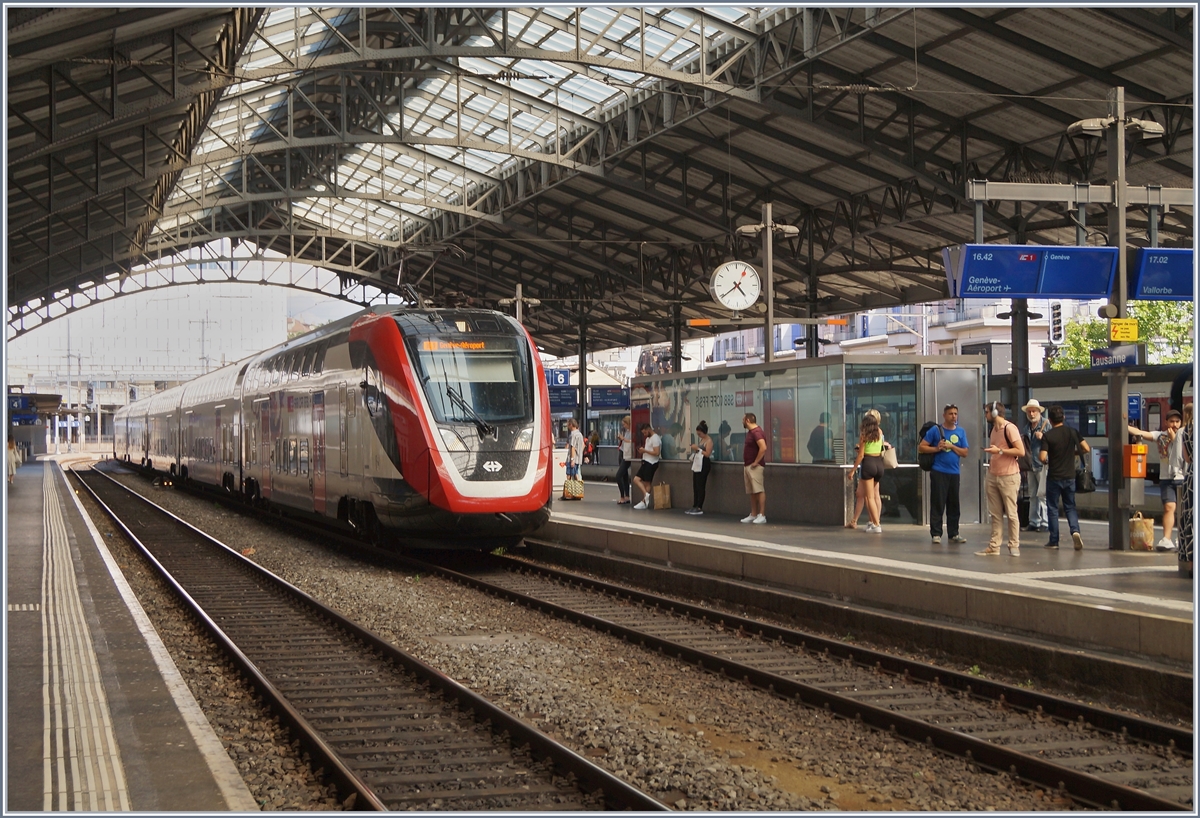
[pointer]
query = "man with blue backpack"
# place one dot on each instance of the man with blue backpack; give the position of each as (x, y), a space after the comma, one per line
(939, 452)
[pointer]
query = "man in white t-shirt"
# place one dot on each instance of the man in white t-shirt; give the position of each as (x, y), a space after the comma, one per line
(651, 451)
(1171, 471)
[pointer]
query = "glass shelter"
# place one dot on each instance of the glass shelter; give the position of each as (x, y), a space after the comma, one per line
(810, 410)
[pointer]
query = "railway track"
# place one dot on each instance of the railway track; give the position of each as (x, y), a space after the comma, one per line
(392, 732)
(1098, 757)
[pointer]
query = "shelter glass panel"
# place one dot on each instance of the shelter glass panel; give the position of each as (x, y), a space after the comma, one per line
(892, 390)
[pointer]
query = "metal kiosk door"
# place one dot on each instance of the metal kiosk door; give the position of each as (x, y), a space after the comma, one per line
(961, 387)
(318, 453)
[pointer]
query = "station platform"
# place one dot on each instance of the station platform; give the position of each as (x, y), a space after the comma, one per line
(1131, 603)
(98, 718)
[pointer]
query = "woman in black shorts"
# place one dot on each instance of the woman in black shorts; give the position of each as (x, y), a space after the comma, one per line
(870, 457)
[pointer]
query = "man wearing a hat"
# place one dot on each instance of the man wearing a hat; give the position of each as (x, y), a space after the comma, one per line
(1038, 426)
(1172, 470)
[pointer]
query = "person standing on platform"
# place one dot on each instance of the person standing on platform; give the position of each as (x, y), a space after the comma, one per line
(1059, 447)
(1187, 497)
(575, 446)
(948, 445)
(1038, 426)
(651, 454)
(754, 455)
(14, 458)
(624, 455)
(871, 444)
(1003, 481)
(820, 441)
(701, 465)
(1170, 450)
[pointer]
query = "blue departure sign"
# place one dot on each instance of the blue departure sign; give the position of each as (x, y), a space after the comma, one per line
(558, 377)
(1162, 274)
(609, 397)
(1000, 271)
(563, 397)
(1078, 272)
(1029, 271)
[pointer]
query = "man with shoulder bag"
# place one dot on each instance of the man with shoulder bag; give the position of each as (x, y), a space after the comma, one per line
(1003, 481)
(1060, 446)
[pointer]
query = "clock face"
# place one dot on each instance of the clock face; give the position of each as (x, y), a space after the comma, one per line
(735, 284)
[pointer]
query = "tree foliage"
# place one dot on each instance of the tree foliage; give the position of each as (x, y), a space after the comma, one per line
(1165, 327)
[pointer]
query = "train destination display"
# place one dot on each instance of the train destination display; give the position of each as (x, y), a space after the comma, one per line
(1029, 271)
(1162, 274)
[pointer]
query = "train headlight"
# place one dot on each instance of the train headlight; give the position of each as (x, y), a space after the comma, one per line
(524, 440)
(453, 442)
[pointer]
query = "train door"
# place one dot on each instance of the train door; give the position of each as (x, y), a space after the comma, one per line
(317, 466)
(343, 410)
(960, 387)
(265, 461)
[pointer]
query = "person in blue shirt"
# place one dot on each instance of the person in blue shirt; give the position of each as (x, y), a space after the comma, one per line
(948, 444)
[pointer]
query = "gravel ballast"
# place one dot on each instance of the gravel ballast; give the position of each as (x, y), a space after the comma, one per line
(691, 738)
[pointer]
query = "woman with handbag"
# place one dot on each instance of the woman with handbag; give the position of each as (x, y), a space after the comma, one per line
(701, 465)
(871, 447)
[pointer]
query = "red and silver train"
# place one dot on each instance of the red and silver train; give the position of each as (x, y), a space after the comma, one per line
(416, 427)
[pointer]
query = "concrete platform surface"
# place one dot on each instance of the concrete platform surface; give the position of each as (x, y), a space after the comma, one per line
(1131, 602)
(98, 717)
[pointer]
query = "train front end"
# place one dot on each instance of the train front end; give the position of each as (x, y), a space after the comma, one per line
(472, 427)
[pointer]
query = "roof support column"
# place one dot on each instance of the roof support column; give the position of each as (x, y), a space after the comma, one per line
(676, 338)
(581, 412)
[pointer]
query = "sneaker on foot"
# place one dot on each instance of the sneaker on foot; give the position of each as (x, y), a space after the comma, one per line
(760, 519)
(988, 552)
(877, 529)
(749, 519)
(641, 506)
(1164, 545)
(958, 539)
(937, 540)
(1078, 540)
(1014, 552)
(698, 512)
(1051, 545)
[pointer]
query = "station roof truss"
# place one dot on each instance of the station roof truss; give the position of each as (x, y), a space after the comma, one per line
(601, 157)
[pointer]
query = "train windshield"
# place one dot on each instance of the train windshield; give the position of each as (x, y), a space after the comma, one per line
(477, 379)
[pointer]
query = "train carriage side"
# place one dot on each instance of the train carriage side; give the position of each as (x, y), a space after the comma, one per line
(285, 394)
(162, 430)
(210, 428)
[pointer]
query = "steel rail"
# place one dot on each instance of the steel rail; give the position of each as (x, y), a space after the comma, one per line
(1152, 732)
(618, 794)
(1081, 786)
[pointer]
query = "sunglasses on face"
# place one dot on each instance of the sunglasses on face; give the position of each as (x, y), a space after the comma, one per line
(949, 406)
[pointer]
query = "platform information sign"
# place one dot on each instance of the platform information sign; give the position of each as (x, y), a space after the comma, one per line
(1029, 271)
(609, 397)
(558, 377)
(563, 397)
(1135, 405)
(1162, 274)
